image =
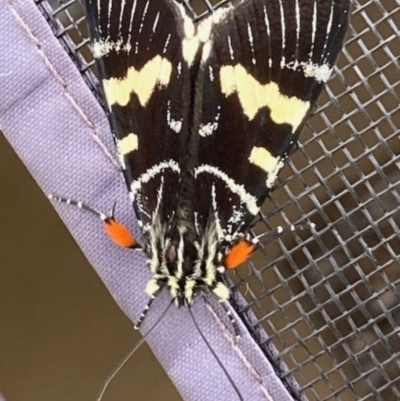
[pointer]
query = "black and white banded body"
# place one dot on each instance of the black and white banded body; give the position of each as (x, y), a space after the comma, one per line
(204, 115)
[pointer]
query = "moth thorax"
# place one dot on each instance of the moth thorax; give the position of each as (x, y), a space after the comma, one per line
(186, 266)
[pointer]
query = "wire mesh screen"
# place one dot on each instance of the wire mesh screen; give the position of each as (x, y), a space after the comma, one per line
(327, 296)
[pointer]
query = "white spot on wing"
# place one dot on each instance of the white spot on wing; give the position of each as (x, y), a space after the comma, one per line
(314, 29)
(175, 125)
(211, 73)
(156, 22)
(266, 21)
(102, 47)
(297, 23)
(208, 129)
(251, 41)
(121, 14)
(230, 48)
(109, 14)
(131, 21)
(320, 72)
(98, 10)
(283, 32)
(329, 27)
(143, 16)
(166, 43)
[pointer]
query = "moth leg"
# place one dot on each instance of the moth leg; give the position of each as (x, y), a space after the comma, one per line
(144, 313)
(226, 307)
(232, 320)
(266, 237)
(115, 230)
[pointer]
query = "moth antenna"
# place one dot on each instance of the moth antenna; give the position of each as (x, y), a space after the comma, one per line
(225, 307)
(78, 204)
(231, 318)
(228, 376)
(112, 210)
(280, 230)
(116, 231)
(128, 355)
(144, 312)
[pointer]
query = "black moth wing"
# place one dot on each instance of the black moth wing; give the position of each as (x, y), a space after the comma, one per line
(261, 74)
(137, 46)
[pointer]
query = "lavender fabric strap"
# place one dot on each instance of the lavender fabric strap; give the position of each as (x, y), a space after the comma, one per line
(61, 134)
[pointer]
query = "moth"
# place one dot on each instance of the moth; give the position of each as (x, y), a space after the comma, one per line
(204, 114)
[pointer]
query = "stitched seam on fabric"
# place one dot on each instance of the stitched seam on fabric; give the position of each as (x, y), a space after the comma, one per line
(253, 372)
(92, 128)
(10, 106)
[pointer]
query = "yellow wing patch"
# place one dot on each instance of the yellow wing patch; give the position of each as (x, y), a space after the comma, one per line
(263, 159)
(270, 164)
(253, 96)
(128, 144)
(156, 72)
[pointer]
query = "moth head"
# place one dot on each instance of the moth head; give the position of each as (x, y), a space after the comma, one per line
(172, 262)
(183, 292)
(187, 266)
